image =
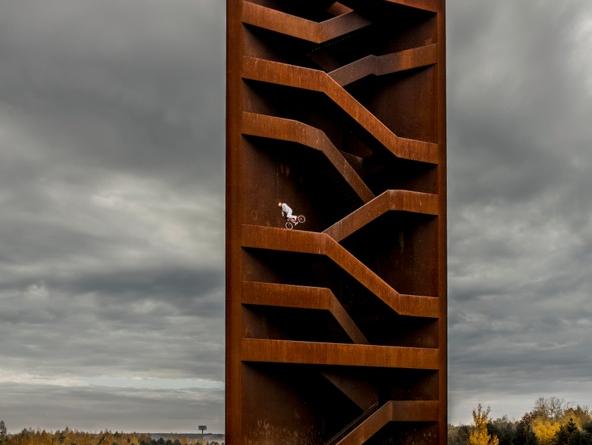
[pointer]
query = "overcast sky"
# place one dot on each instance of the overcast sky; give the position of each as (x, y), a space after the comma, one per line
(111, 217)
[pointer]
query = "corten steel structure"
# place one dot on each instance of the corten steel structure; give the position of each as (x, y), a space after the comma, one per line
(336, 331)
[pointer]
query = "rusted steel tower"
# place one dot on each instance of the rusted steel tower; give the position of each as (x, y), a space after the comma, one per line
(336, 330)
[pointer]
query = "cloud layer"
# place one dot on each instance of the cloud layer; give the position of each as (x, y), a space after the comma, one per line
(111, 190)
(520, 227)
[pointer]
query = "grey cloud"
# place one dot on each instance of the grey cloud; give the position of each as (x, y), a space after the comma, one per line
(111, 186)
(519, 138)
(517, 96)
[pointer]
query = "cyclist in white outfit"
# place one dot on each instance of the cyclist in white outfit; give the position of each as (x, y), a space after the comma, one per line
(286, 211)
(291, 219)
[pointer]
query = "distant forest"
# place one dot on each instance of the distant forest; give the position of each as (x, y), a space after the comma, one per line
(73, 437)
(550, 422)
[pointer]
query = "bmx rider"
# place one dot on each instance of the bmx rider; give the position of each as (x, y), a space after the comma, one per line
(286, 211)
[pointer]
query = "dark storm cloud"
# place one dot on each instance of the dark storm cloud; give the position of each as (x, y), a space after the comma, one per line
(111, 190)
(520, 218)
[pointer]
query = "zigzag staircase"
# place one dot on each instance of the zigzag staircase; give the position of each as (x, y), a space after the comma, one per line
(336, 330)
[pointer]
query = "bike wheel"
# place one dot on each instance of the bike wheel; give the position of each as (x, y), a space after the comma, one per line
(289, 225)
(301, 219)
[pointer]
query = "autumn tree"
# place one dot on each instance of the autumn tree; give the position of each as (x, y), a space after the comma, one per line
(479, 434)
(545, 429)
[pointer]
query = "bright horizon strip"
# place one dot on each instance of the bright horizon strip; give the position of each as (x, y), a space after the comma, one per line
(132, 382)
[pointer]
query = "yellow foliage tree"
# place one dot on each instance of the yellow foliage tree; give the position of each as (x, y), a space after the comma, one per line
(479, 434)
(545, 429)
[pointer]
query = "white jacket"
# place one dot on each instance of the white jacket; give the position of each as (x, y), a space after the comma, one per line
(286, 210)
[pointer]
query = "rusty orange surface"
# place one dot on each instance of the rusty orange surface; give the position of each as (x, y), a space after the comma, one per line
(336, 326)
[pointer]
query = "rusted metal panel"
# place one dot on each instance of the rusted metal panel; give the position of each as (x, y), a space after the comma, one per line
(336, 323)
(385, 64)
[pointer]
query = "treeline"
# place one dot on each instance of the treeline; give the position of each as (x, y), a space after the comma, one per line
(550, 422)
(73, 437)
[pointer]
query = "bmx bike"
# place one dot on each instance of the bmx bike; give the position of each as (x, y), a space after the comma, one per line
(294, 221)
